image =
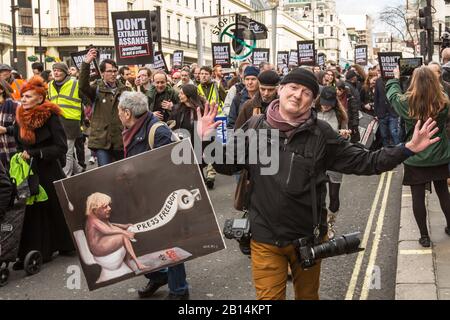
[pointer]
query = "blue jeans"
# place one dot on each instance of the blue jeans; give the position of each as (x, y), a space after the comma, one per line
(105, 157)
(175, 276)
(389, 128)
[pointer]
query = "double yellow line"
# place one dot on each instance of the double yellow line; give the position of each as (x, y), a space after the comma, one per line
(374, 249)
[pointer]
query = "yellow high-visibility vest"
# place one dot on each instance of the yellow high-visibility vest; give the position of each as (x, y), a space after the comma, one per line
(213, 96)
(68, 99)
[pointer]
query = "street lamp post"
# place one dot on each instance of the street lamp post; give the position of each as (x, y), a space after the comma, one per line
(313, 12)
(274, 4)
(14, 8)
(38, 11)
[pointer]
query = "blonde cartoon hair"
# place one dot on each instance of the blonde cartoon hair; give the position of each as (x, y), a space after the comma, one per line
(95, 201)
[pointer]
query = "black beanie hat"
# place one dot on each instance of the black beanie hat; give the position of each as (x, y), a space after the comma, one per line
(305, 78)
(269, 78)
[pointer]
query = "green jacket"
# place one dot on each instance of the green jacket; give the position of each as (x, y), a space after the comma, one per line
(169, 95)
(435, 155)
(106, 128)
(18, 170)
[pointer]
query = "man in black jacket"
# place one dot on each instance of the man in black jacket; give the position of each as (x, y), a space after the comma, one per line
(282, 205)
(387, 118)
(354, 102)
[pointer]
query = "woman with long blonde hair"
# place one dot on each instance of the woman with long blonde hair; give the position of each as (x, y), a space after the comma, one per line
(424, 99)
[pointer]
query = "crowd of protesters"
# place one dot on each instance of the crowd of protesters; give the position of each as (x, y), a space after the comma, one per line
(53, 117)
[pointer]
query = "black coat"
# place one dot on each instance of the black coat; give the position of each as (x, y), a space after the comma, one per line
(354, 106)
(140, 142)
(281, 203)
(184, 118)
(6, 190)
(382, 107)
(45, 228)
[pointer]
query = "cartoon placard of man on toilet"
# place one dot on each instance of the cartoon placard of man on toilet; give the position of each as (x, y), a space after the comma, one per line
(139, 215)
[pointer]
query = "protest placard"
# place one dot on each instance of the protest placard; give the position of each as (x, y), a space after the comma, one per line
(361, 55)
(321, 59)
(129, 218)
(132, 37)
(293, 58)
(388, 62)
(306, 53)
(260, 55)
(282, 61)
(178, 58)
(221, 54)
(78, 58)
(159, 62)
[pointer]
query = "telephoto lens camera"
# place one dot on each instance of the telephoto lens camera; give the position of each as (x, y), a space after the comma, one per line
(239, 229)
(308, 253)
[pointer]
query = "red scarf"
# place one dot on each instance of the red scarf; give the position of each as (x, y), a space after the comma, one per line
(128, 134)
(31, 119)
(276, 121)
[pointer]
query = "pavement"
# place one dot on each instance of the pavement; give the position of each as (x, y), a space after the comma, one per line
(422, 273)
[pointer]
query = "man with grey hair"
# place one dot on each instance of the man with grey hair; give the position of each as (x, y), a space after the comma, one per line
(138, 121)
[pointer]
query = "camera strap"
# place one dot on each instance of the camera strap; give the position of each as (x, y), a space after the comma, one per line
(253, 123)
(313, 144)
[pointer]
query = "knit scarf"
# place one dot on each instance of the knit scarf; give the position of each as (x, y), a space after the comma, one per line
(31, 119)
(128, 134)
(276, 121)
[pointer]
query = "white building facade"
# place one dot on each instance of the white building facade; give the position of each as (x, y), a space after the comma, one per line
(362, 25)
(72, 25)
(329, 32)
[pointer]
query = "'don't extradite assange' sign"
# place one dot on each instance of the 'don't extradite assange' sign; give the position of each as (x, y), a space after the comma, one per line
(132, 36)
(221, 54)
(361, 55)
(388, 62)
(306, 53)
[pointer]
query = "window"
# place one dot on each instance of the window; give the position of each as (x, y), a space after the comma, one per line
(64, 17)
(179, 30)
(321, 43)
(331, 18)
(195, 4)
(26, 17)
(187, 3)
(130, 6)
(331, 31)
(187, 32)
(203, 6)
(101, 17)
(210, 7)
(320, 30)
(447, 22)
(168, 27)
(204, 35)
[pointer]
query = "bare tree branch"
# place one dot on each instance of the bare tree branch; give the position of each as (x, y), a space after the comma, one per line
(395, 17)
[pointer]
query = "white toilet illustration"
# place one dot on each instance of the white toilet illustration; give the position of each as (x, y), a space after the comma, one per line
(113, 265)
